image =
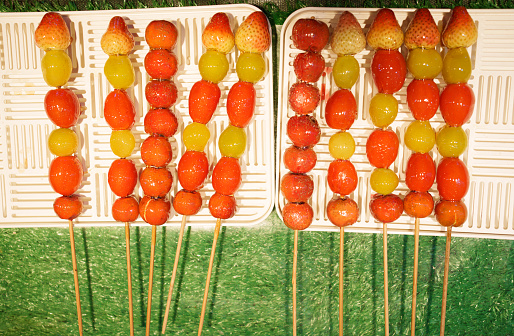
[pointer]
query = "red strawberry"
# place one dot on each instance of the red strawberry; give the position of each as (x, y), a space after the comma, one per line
(217, 34)
(422, 31)
(52, 33)
(385, 32)
(253, 35)
(460, 30)
(348, 37)
(303, 97)
(117, 40)
(241, 104)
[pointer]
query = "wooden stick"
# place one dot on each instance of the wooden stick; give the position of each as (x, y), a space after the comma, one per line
(341, 278)
(415, 278)
(75, 276)
(445, 279)
(386, 285)
(174, 273)
(150, 280)
(209, 272)
(295, 265)
(129, 277)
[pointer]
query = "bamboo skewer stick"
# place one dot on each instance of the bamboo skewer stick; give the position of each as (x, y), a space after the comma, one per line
(295, 264)
(415, 278)
(445, 279)
(150, 280)
(75, 276)
(174, 273)
(209, 273)
(129, 277)
(341, 278)
(386, 283)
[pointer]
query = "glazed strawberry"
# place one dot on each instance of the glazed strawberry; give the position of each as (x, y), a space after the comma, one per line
(217, 34)
(348, 37)
(303, 97)
(461, 30)
(117, 40)
(385, 32)
(253, 35)
(241, 104)
(203, 101)
(422, 31)
(52, 33)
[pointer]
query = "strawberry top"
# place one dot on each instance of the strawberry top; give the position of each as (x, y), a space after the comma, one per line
(52, 33)
(117, 40)
(385, 32)
(348, 37)
(422, 31)
(217, 34)
(460, 30)
(253, 35)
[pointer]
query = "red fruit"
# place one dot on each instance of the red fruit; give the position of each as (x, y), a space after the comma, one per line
(161, 93)
(309, 66)
(452, 179)
(187, 203)
(420, 172)
(253, 34)
(341, 110)
(156, 151)
(456, 104)
(203, 101)
(423, 98)
(460, 31)
(68, 207)
(154, 211)
(241, 104)
(161, 34)
(125, 209)
(160, 64)
(303, 130)
(62, 107)
(303, 97)
(418, 204)
(161, 121)
(226, 176)
(156, 182)
(193, 168)
(386, 208)
(422, 31)
(122, 177)
(297, 188)
(310, 35)
(342, 211)
(451, 213)
(297, 216)
(52, 33)
(222, 206)
(117, 40)
(65, 174)
(385, 32)
(389, 69)
(217, 34)
(119, 111)
(382, 148)
(342, 177)
(299, 160)
(348, 37)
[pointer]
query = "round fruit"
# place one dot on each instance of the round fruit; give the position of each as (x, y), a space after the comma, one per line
(451, 213)
(119, 71)
(451, 141)
(296, 188)
(160, 64)
(418, 204)
(226, 176)
(187, 203)
(383, 181)
(232, 142)
(122, 143)
(420, 136)
(309, 66)
(65, 174)
(203, 101)
(383, 109)
(382, 148)
(156, 151)
(161, 121)
(213, 66)
(63, 142)
(341, 145)
(125, 209)
(241, 104)
(161, 93)
(250, 67)
(341, 110)
(161, 34)
(342, 211)
(303, 97)
(122, 177)
(389, 70)
(386, 208)
(423, 98)
(62, 107)
(420, 172)
(303, 130)
(456, 66)
(154, 211)
(424, 63)
(192, 170)
(342, 177)
(310, 35)
(56, 67)
(68, 207)
(222, 206)
(119, 111)
(299, 160)
(156, 182)
(195, 136)
(457, 102)
(297, 216)
(452, 179)
(345, 71)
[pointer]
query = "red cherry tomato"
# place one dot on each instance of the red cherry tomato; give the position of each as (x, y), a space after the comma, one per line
(161, 121)
(156, 151)
(160, 64)
(389, 69)
(122, 177)
(125, 209)
(156, 182)
(420, 172)
(297, 216)
(457, 102)
(154, 211)
(65, 174)
(299, 160)
(187, 203)
(161, 93)
(203, 101)
(341, 110)
(342, 177)
(386, 208)
(342, 211)
(297, 187)
(192, 170)
(452, 179)
(62, 107)
(451, 213)
(226, 176)
(303, 130)
(382, 148)
(119, 111)
(423, 98)
(222, 206)
(68, 207)
(241, 104)
(418, 204)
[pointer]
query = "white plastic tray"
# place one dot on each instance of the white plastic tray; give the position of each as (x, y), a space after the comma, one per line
(490, 154)
(26, 197)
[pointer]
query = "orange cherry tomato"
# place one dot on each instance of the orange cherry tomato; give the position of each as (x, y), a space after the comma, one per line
(386, 208)
(156, 151)
(342, 177)
(297, 187)
(119, 111)
(161, 34)
(382, 148)
(226, 176)
(125, 209)
(341, 110)
(241, 103)
(389, 69)
(161, 121)
(452, 179)
(423, 98)
(451, 213)
(420, 172)
(154, 211)
(156, 182)
(203, 101)
(222, 206)
(297, 216)
(68, 207)
(457, 102)
(187, 203)
(192, 170)
(62, 107)
(418, 204)
(122, 177)
(342, 211)
(65, 174)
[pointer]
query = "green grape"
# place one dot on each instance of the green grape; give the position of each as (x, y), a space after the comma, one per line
(420, 136)
(56, 67)
(63, 142)
(341, 145)
(213, 66)
(345, 71)
(456, 66)
(122, 143)
(424, 63)
(451, 141)
(383, 181)
(250, 67)
(195, 136)
(383, 109)
(232, 142)
(119, 71)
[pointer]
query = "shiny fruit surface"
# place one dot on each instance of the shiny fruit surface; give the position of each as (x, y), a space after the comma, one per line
(420, 172)
(161, 121)
(56, 66)
(119, 72)
(457, 103)
(452, 179)
(161, 64)
(122, 177)
(68, 207)
(195, 136)
(341, 110)
(250, 67)
(296, 188)
(342, 211)
(203, 101)
(386, 209)
(451, 141)
(297, 216)
(423, 98)
(125, 209)
(303, 97)
(418, 204)
(383, 181)
(187, 203)
(122, 143)
(213, 66)
(310, 35)
(456, 66)
(341, 145)
(161, 34)
(420, 136)
(65, 175)
(451, 213)
(226, 176)
(155, 182)
(424, 63)
(389, 70)
(303, 131)
(241, 104)
(119, 111)
(192, 170)
(309, 66)
(222, 206)
(383, 109)
(156, 151)
(63, 142)
(342, 177)
(382, 148)
(299, 160)
(161, 93)
(345, 71)
(154, 211)
(232, 142)
(62, 107)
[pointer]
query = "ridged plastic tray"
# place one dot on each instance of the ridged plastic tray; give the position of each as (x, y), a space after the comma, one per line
(490, 153)
(26, 197)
